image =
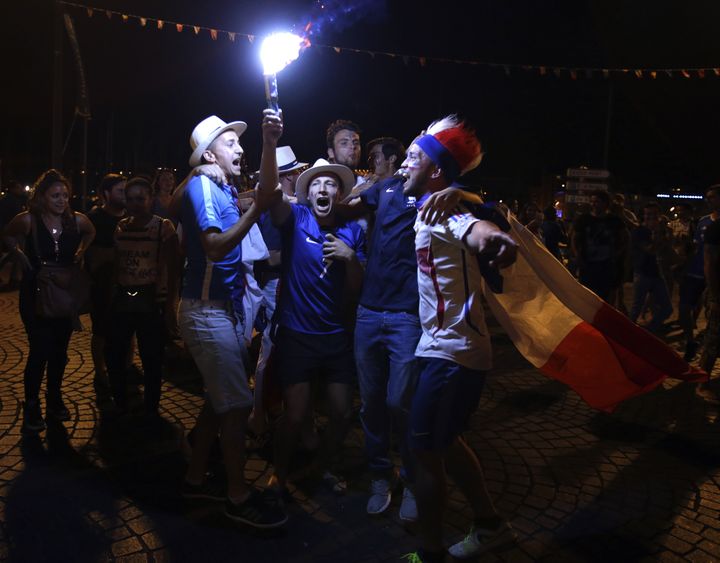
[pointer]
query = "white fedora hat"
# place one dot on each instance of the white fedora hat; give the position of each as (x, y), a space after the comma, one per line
(286, 160)
(347, 178)
(207, 131)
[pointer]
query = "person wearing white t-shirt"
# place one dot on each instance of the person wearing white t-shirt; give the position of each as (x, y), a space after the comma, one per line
(454, 349)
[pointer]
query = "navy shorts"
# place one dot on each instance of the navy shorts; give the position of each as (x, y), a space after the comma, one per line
(301, 357)
(446, 395)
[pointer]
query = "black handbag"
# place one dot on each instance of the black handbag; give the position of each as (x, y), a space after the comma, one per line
(62, 290)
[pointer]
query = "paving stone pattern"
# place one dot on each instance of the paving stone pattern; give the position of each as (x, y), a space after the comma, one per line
(578, 485)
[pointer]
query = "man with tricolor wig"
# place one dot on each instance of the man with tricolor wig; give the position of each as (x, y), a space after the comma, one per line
(454, 349)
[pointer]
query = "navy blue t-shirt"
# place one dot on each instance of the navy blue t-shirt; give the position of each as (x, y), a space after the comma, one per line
(312, 290)
(391, 273)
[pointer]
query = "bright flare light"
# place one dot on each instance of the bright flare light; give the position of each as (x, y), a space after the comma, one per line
(279, 50)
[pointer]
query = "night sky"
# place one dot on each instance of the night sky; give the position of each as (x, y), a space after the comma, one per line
(148, 88)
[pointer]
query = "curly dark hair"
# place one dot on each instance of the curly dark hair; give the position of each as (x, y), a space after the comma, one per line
(40, 188)
(339, 125)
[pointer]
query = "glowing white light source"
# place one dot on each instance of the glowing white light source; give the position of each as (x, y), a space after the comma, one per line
(279, 50)
(27, 188)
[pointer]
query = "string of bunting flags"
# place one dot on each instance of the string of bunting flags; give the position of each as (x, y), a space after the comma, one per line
(574, 73)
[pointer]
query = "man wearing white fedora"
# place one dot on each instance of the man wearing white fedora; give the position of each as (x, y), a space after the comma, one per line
(321, 274)
(213, 231)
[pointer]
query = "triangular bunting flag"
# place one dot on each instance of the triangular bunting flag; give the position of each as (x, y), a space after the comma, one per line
(124, 17)
(160, 24)
(701, 72)
(179, 27)
(685, 73)
(638, 73)
(143, 22)
(213, 34)
(231, 36)
(196, 29)
(108, 13)
(606, 73)
(89, 12)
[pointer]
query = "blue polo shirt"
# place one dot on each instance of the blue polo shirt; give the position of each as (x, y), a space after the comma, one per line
(312, 292)
(206, 206)
(391, 273)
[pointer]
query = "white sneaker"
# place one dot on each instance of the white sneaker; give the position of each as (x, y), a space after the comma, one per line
(380, 495)
(480, 540)
(408, 506)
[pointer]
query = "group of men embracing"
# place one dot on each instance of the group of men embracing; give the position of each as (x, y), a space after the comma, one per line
(418, 348)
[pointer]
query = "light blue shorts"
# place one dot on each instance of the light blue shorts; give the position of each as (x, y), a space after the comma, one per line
(216, 343)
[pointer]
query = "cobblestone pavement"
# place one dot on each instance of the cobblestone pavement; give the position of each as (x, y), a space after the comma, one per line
(638, 485)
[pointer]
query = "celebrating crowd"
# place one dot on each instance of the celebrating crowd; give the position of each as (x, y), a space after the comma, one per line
(367, 282)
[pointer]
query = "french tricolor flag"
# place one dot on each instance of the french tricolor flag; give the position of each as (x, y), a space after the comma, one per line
(572, 335)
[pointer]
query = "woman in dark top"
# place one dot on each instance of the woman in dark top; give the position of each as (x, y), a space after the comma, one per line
(62, 238)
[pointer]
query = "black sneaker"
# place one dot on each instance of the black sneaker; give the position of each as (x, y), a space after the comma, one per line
(33, 422)
(208, 490)
(57, 410)
(257, 511)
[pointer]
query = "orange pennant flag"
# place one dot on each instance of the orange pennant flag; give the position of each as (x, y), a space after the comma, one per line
(543, 71)
(701, 72)
(231, 36)
(90, 12)
(179, 27)
(685, 73)
(337, 49)
(124, 17)
(160, 24)
(196, 28)
(638, 73)
(213, 34)
(653, 74)
(716, 71)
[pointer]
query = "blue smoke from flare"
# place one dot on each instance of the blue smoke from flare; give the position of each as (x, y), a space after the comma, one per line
(336, 16)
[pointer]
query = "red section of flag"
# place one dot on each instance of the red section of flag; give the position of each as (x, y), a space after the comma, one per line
(614, 360)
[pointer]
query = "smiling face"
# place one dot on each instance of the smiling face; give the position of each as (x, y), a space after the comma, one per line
(226, 152)
(323, 192)
(166, 181)
(56, 198)
(419, 171)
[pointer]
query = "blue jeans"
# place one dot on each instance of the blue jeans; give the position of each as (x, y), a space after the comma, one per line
(656, 288)
(387, 374)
